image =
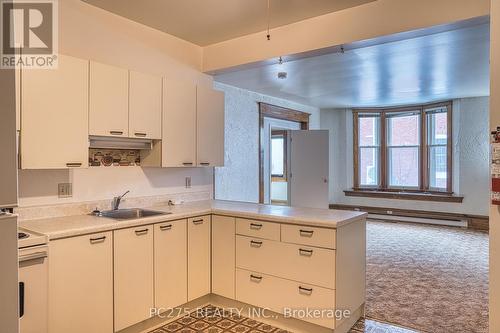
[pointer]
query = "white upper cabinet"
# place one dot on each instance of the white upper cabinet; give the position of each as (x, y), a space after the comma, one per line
(54, 116)
(145, 99)
(179, 124)
(210, 126)
(108, 114)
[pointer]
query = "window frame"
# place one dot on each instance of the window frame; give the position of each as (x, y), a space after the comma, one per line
(424, 151)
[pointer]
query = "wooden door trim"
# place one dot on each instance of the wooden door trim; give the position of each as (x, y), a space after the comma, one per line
(276, 112)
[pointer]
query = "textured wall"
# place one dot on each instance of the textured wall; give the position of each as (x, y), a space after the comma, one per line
(470, 160)
(239, 179)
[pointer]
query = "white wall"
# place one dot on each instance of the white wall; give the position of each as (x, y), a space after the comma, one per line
(239, 179)
(470, 160)
(92, 33)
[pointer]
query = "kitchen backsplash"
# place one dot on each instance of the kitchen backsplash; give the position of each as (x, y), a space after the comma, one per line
(81, 208)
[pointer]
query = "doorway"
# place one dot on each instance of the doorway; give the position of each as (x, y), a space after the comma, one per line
(275, 121)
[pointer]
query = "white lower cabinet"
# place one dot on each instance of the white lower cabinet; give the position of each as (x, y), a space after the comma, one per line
(81, 284)
(287, 297)
(170, 262)
(133, 275)
(223, 255)
(198, 257)
(294, 262)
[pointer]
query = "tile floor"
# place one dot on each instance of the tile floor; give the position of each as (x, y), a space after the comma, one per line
(211, 319)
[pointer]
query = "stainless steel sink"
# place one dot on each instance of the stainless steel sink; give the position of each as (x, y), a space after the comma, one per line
(130, 214)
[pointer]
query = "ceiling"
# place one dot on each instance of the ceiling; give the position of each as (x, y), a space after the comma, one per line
(205, 22)
(439, 66)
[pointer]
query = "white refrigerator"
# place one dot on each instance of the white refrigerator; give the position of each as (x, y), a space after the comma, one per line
(9, 293)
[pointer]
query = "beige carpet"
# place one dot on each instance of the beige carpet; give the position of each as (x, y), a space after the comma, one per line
(433, 279)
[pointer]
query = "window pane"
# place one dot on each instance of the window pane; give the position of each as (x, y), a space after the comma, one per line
(277, 151)
(438, 128)
(403, 130)
(437, 167)
(369, 131)
(403, 167)
(368, 166)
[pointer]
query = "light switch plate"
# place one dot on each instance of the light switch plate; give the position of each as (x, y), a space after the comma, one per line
(64, 190)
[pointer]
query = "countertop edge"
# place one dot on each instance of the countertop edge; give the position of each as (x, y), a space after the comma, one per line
(111, 225)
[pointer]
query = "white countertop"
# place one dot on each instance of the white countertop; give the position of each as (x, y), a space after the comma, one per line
(70, 226)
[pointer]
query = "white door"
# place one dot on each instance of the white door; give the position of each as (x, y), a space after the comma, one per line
(308, 184)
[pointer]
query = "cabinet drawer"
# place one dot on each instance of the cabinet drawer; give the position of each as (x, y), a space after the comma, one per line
(259, 229)
(298, 234)
(295, 262)
(283, 296)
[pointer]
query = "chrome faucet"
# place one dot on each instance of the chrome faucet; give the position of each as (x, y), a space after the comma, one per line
(116, 201)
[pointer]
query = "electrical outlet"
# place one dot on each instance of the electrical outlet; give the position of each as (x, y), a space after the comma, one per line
(64, 190)
(389, 212)
(188, 182)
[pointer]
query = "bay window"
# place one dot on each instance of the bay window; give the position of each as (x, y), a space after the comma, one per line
(403, 149)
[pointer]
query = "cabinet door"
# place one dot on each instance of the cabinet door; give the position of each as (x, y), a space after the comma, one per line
(145, 106)
(210, 126)
(108, 114)
(198, 257)
(170, 256)
(179, 124)
(81, 284)
(54, 120)
(133, 269)
(223, 256)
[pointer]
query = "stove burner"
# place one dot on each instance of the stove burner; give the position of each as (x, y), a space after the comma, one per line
(22, 235)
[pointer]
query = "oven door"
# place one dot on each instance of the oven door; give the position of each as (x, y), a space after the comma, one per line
(33, 285)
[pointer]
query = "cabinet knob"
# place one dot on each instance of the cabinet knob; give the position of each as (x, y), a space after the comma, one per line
(165, 227)
(306, 253)
(255, 226)
(97, 240)
(305, 291)
(255, 278)
(306, 233)
(199, 221)
(141, 232)
(255, 244)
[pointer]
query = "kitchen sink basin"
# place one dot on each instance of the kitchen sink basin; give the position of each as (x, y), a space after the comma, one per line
(129, 214)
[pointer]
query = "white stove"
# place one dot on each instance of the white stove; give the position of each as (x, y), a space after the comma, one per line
(26, 238)
(33, 281)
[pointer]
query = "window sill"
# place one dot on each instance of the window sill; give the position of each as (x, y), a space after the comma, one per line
(422, 196)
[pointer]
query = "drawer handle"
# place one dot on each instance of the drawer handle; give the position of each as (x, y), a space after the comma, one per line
(140, 134)
(187, 163)
(305, 291)
(97, 240)
(73, 165)
(306, 253)
(200, 221)
(255, 244)
(205, 163)
(255, 226)
(116, 132)
(306, 233)
(165, 227)
(141, 232)
(255, 278)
